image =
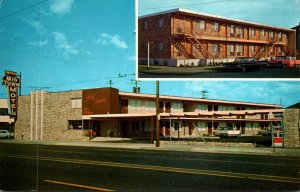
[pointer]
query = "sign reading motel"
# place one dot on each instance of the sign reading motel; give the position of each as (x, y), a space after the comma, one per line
(12, 82)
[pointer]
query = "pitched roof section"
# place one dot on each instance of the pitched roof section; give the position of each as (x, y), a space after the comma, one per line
(190, 99)
(195, 13)
(295, 106)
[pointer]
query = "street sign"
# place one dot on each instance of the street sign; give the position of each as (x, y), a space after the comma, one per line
(12, 82)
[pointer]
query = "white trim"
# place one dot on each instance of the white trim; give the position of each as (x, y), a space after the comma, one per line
(214, 17)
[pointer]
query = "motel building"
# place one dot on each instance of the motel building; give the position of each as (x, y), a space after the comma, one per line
(5, 120)
(181, 37)
(107, 112)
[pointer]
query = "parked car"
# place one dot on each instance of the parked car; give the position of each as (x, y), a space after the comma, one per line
(6, 134)
(284, 62)
(245, 64)
(227, 132)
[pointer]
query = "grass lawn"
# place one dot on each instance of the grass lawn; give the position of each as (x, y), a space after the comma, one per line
(176, 70)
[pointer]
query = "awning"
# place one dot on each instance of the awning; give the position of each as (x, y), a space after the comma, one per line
(105, 116)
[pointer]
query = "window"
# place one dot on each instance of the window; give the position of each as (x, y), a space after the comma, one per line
(3, 111)
(230, 49)
(251, 49)
(209, 107)
(145, 25)
(160, 46)
(215, 47)
(231, 30)
(240, 49)
(284, 35)
(216, 107)
(216, 26)
(262, 33)
(160, 23)
(75, 124)
(252, 32)
(76, 103)
(201, 24)
(271, 34)
(240, 32)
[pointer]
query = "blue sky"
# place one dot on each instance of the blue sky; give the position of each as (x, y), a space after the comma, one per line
(63, 45)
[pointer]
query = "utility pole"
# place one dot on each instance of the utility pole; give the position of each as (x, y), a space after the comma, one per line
(136, 88)
(157, 114)
(204, 96)
(110, 83)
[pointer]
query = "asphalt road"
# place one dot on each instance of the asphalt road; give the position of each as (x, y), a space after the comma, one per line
(63, 168)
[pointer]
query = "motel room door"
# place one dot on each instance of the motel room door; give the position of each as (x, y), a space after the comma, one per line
(97, 128)
(209, 127)
(125, 126)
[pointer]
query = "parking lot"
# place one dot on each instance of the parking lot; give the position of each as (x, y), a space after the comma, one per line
(214, 72)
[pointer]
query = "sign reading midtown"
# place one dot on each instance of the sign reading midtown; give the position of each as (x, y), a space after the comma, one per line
(12, 82)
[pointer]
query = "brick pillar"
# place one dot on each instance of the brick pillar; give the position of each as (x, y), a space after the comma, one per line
(291, 120)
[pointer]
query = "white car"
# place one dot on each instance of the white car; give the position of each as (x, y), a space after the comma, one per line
(6, 134)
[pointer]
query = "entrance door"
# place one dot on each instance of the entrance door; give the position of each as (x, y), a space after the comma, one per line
(209, 127)
(124, 128)
(97, 128)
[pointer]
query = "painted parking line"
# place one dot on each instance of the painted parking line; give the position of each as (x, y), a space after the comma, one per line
(164, 169)
(79, 186)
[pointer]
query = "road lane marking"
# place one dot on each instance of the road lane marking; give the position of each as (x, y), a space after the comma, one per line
(197, 159)
(164, 169)
(243, 162)
(78, 185)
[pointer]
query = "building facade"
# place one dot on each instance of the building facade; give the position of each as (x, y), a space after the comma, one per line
(297, 28)
(181, 37)
(291, 119)
(106, 112)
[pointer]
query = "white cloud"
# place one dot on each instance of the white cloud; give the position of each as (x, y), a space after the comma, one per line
(63, 45)
(106, 39)
(37, 25)
(39, 43)
(61, 7)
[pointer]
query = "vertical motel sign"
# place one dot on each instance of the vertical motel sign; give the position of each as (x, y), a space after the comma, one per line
(12, 82)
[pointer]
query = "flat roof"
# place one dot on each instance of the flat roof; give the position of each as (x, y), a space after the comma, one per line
(177, 98)
(195, 13)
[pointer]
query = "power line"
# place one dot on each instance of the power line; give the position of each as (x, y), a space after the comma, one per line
(23, 9)
(188, 5)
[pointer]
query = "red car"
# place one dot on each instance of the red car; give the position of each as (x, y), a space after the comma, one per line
(284, 62)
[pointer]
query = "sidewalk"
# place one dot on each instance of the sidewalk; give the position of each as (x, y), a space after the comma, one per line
(197, 147)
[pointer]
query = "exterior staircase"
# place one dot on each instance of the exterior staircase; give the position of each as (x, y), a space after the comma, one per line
(183, 50)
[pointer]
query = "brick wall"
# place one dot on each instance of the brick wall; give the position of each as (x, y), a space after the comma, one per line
(57, 110)
(291, 118)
